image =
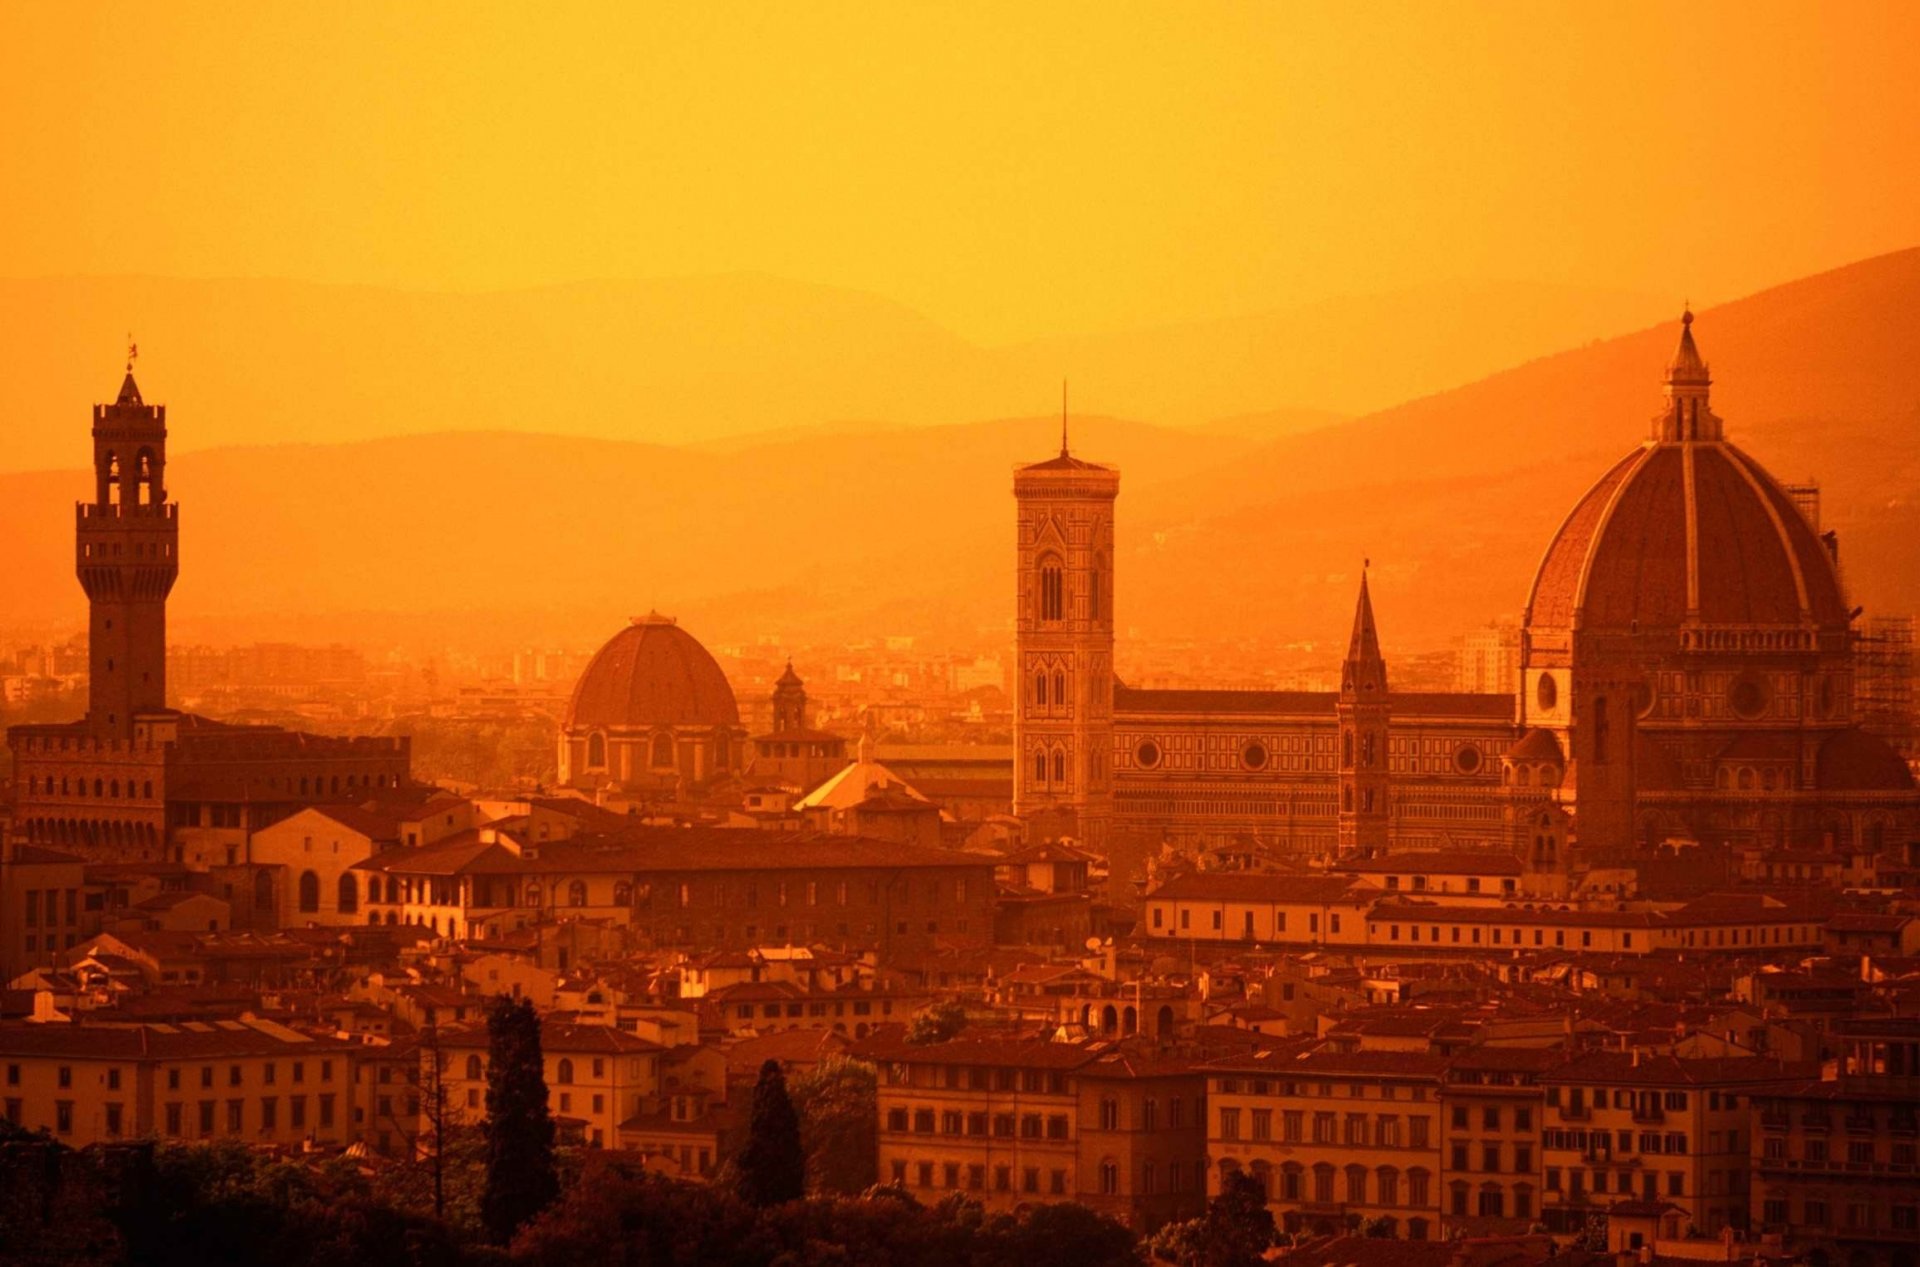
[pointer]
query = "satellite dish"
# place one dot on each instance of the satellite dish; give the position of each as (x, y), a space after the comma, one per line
(1093, 943)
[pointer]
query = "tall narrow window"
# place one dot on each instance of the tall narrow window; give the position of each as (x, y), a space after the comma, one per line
(1060, 766)
(1059, 687)
(1052, 590)
(309, 891)
(1040, 688)
(349, 897)
(1040, 769)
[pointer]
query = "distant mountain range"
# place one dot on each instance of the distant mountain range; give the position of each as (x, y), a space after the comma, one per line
(713, 358)
(487, 534)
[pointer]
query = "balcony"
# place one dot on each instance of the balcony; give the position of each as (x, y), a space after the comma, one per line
(1651, 1115)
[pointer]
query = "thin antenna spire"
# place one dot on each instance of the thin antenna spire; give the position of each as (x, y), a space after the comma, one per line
(1063, 417)
(133, 351)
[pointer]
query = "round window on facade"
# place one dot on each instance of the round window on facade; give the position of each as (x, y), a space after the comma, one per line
(1254, 756)
(1547, 693)
(1748, 697)
(1147, 755)
(1466, 758)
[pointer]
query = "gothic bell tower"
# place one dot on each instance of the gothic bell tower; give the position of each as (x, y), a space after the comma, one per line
(1363, 714)
(1063, 621)
(126, 551)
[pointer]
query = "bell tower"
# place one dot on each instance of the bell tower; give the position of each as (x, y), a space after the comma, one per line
(1063, 641)
(1363, 714)
(126, 551)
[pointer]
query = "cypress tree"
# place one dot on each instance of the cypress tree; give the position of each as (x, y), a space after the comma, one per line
(773, 1165)
(521, 1180)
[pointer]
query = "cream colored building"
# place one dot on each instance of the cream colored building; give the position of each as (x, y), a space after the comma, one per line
(248, 1080)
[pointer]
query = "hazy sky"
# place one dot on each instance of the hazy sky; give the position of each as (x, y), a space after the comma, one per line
(1007, 169)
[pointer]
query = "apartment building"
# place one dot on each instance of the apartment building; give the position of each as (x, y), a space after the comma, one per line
(248, 1080)
(1333, 1136)
(597, 1077)
(1835, 1172)
(1660, 1130)
(1494, 1100)
(1009, 1121)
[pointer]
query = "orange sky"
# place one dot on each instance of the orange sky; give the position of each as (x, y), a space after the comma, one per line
(1009, 170)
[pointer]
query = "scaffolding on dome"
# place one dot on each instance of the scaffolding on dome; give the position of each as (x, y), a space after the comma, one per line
(1883, 683)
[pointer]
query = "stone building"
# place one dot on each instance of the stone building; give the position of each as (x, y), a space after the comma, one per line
(135, 779)
(1685, 670)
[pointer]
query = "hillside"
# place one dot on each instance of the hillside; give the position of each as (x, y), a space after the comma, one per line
(701, 359)
(1455, 495)
(492, 537)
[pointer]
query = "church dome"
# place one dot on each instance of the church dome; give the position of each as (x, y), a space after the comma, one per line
(1852, 760)
(1686, 529)
(652, 674)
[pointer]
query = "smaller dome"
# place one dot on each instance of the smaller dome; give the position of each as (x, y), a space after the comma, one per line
(652, 674)
(1537, 745)
(1854, 761)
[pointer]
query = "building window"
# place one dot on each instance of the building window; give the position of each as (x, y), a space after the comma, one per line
(1052, 590)
(309, 892)
(349, 896)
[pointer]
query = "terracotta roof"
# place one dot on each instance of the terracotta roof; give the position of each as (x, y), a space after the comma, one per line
(643, 848)
(1256, 886)
(1674, 533)
(1439, 862)
(1852, 760)
(1538, 745)
(652, 673)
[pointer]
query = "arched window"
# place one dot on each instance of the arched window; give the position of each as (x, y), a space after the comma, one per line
(662, 752)
(596, 751)
(349, 894)
(566, 1071)
(309, 891)
(1040, 769)
(1053, 604)
(1109, 1176)
(373, 888)
(623, 893)
(1346, 750)
(474, 1071)
(1746, 778)
(1040, 688)
(577, 893)
(1096, 587)
(1060, 766)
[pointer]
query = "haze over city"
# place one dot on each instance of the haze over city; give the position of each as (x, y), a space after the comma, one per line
(873, 634)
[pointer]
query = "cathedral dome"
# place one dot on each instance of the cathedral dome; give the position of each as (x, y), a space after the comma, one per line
(652, 674)
(1852, 760)
(1686, 530)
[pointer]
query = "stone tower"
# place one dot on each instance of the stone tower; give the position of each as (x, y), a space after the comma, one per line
(1363, 714)
(127, 555)
(1063, 620)
(789, 702)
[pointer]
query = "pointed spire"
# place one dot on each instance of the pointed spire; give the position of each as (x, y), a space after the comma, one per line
(1687, 368)
(1364, 646)
(1063, 418)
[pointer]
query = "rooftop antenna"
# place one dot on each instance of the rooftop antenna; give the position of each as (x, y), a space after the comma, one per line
(1063, 417)
(133, 351)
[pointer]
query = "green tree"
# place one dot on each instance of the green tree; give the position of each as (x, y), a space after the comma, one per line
(773, 1166)
(838, 1103)
(937, 1022)
(1236, 1230)
(521, 1180)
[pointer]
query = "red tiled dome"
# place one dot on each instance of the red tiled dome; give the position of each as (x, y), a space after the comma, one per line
(1852, 760)
(1622, 559)
(652, 673)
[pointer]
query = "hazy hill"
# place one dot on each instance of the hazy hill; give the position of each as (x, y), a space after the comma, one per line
(559, 538)
(695, 359)
(1455, 495)
(487, 536)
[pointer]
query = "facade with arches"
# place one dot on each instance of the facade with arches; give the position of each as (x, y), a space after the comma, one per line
(1686, 671)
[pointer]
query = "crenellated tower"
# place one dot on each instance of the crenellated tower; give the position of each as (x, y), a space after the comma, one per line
(126, 551)
(1364, 714)
(1063, 619)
